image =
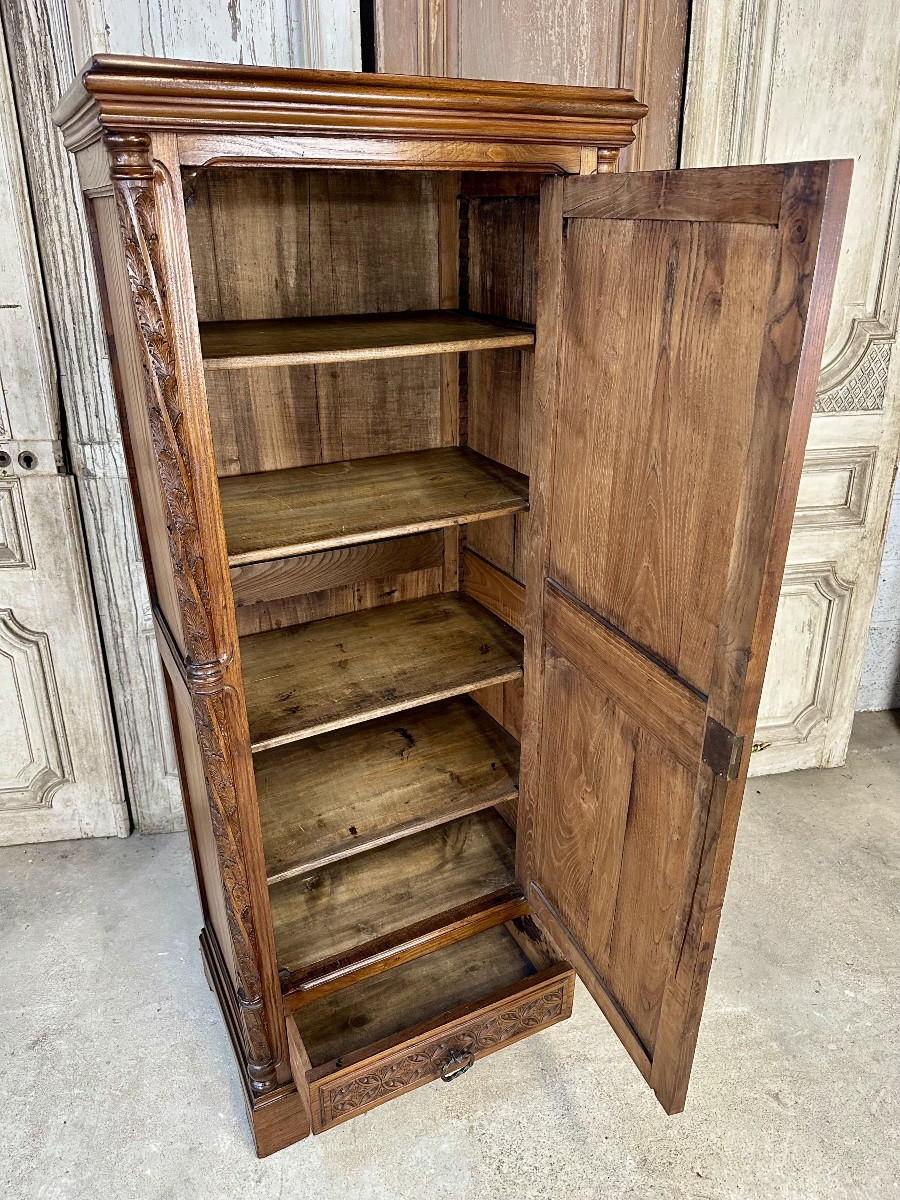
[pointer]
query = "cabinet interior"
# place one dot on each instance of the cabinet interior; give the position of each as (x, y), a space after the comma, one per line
(368, 350)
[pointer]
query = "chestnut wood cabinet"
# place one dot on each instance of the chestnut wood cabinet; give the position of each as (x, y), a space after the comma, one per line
(465, 470)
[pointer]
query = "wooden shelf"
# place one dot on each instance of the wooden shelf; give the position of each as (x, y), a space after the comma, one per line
(309, 679)
(234, 344)
(335, 795)
(362, 900)
(279, 513)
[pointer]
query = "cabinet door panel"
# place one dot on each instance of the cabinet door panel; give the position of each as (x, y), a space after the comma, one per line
(680, 328)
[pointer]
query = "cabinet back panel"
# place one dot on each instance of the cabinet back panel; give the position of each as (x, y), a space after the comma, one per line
(331, 242)
(332, 602)
(355, 901)
(288, 243)
(267, 418)
(310, 587)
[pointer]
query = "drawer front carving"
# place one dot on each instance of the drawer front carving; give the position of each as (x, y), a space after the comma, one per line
(347, 1093)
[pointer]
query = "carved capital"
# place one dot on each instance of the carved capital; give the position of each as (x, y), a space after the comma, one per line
(129, 155)
(205, 678)
(140, 189)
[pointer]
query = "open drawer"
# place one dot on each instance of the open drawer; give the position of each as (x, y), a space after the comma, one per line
(426, 1019)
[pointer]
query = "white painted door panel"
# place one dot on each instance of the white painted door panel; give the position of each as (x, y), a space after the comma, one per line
(49, 41)
(59, 768)
(775, 82)
(59, 771)
(295, 33)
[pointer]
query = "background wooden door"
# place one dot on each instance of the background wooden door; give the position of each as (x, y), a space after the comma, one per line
(59, 769)
(636, 44)
(48, 41)
(693, 304)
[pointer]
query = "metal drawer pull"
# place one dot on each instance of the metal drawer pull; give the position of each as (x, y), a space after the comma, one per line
(458, 1062)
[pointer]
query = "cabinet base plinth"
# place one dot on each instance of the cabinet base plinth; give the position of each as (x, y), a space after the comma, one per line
(278, 1120)
(280, 1117)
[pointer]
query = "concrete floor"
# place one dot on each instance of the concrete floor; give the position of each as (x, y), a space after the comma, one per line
(117, 1078)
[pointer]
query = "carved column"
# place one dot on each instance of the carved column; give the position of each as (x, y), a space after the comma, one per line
(141, 187)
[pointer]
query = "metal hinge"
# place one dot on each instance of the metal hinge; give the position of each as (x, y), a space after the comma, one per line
(722, 750)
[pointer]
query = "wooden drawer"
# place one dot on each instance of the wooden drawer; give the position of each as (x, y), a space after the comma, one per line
(433, 1017)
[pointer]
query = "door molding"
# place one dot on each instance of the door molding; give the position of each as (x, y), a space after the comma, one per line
(15, 540)
(768, 82)
(30, 665)
(822, 620)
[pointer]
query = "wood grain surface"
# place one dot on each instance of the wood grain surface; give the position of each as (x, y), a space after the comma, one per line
(229, 345)
(348, 903)
(333, 243)
(502, 277)
(372, 592)
(657, 698)
(340, 793)
(122, 92)
(365, 562)
(357, 1082)
(742, 195)
(497, 591)
(645, 511)
(687, 302)
(426, 988)
(278, 513)
(305, 984)
(312, 678)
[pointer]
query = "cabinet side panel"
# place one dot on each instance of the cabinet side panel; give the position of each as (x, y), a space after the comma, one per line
(500, 275)
(501, 279)
(150, 211)
(128, 373)
(207, 865)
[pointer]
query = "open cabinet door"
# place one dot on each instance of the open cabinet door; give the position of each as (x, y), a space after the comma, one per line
(680, 330)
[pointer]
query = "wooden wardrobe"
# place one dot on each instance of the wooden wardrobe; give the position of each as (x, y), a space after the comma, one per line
(465, 469)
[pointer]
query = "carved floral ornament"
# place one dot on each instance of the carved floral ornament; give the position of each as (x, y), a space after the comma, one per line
(141, 188)
(425, 1062)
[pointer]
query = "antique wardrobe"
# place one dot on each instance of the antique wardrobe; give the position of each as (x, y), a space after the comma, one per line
(465, 470)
